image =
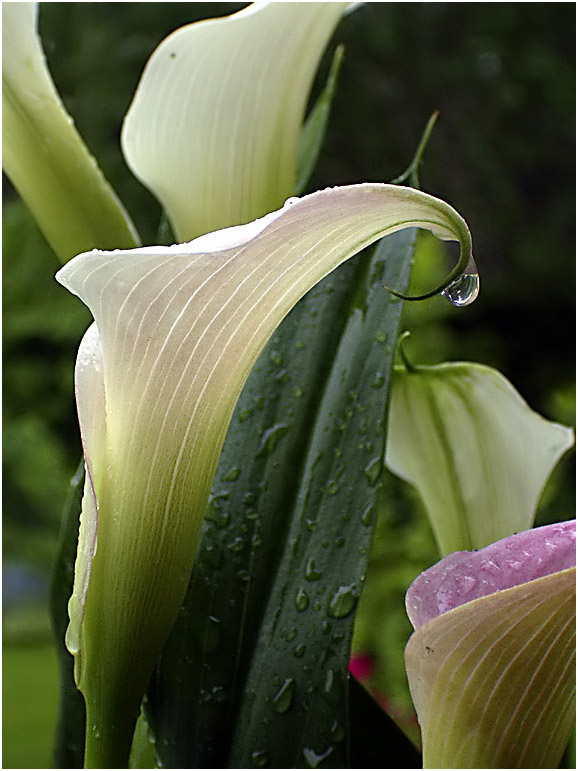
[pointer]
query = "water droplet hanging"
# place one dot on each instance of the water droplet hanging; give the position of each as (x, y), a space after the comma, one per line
(464, 290)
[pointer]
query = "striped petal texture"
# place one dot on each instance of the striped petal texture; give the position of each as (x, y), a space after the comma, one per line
(491, 666)
(214, 127)
(177, 330)
(477, 453)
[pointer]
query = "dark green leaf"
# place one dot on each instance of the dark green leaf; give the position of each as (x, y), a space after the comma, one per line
(376, 739)
(315, 126)
(69, 747)
(291, 499)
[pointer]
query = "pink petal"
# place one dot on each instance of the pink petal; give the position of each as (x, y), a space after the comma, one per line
(464, 576)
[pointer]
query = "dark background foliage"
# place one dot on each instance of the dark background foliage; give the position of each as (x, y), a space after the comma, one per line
(502, 76)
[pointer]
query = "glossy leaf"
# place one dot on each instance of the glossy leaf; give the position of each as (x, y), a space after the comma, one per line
(477, 453)
(196, 696)
(43, 154)
(214, 127)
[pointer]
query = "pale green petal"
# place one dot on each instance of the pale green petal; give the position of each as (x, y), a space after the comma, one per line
(493, 681)
(91, 401)
(474, 449)
(180, 328)
(214, 127)
(43, 154)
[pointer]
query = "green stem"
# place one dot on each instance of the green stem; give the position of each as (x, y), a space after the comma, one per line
(108, 743)
(403, 355)
(411, 173)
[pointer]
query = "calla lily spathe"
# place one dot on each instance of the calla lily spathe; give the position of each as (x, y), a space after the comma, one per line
(215, 124)
(491, 665)
(43, 154)
(477, 453)
(176, 332)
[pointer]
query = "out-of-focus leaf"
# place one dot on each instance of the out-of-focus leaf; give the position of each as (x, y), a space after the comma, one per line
(315, 126)
(69, 745)
(477, 453)
(43, 154)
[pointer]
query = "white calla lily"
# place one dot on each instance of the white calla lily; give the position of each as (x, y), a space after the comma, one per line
(43, 154)
(477, 453)
(177, 330)
(214, 127)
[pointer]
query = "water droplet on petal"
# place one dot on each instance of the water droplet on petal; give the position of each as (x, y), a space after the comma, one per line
(464, 290)
(290, 201)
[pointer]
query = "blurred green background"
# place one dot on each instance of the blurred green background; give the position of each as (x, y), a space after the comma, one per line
(502, 76)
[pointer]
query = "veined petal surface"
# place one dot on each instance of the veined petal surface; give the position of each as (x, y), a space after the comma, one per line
(43, 154)
(477, 453)
(179, 329)
(213, 130)
(465, 576)
(493, 680)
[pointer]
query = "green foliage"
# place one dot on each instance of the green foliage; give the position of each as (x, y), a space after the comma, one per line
(503, 80)
(41, 329)
(30, 696)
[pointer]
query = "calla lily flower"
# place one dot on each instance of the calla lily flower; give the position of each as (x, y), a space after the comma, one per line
(43, 154)
(477, 453)
(177, 330)
(215, 124)
(491, 665)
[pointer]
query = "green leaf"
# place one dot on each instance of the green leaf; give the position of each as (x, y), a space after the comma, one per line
(304, 642)
(493, 681)
(315, 126)
(43, 154)
(477, 453)
(197, 694)
(376, 740)
(69, 745)
(177, 331)
(213, 130)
